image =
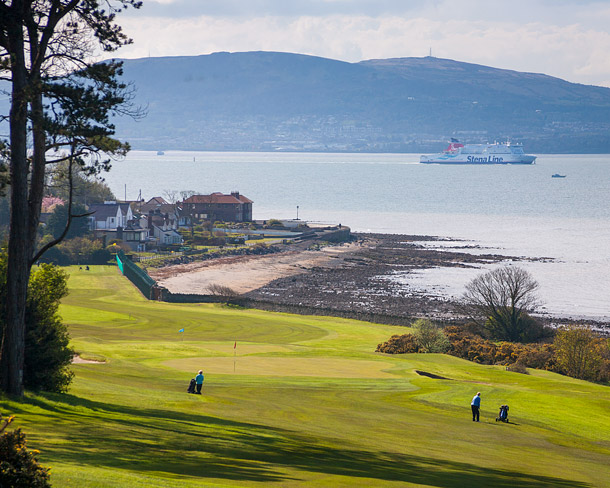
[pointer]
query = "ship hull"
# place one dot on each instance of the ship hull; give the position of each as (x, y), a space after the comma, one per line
(440, 160)
(480, 154)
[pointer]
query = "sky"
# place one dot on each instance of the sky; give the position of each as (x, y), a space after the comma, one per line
(568, 39)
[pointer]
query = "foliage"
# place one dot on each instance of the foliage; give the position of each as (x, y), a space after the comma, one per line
(467, 345)
(222, 290)
(399, 344)
(500, 300)
(517, 367)
(429, 336)
(579, 352)
(80, 250)
(47, 352)
(19, 467)
(274, 223)
(86, 189)
(50, 202)
(58, 219)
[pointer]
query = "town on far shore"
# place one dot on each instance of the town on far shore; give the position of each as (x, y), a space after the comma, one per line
(146, 228)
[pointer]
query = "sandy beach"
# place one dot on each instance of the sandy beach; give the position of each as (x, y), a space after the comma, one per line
(244, 274)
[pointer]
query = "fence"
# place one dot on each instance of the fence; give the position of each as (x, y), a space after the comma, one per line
(136, 275)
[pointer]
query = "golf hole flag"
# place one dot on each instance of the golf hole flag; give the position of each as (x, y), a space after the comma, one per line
(181, 330)
(235, 345)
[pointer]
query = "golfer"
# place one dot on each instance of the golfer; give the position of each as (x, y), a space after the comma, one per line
(475, 405)
(199, 381)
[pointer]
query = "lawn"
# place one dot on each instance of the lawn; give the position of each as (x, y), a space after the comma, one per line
(300, 401)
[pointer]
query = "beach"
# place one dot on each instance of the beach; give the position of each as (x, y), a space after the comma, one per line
(244, 274)
(361, 279)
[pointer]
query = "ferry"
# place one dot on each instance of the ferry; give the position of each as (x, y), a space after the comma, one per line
(496, 153)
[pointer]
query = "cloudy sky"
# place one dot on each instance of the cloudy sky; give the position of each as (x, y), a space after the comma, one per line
(569, 39)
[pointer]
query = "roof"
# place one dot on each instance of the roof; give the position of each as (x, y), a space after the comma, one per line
(218, 197)
(103, 211)
(244, 199)
(157, 200)
(162, 207)
(167, 231)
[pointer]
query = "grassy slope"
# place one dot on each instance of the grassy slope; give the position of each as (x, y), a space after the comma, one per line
(310, 403)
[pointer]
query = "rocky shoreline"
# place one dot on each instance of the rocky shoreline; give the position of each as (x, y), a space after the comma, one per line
(356, 282)
(350, 280)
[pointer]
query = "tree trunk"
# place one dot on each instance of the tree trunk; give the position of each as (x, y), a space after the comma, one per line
(19, 249)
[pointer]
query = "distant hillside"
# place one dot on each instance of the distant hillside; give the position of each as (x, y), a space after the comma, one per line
(271, 101)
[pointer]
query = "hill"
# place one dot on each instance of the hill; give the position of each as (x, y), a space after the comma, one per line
(301, 401)
(271, 101)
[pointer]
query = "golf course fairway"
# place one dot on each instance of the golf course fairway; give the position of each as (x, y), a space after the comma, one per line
(293, 401)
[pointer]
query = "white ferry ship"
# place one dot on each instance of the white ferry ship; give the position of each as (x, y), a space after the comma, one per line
(496, 153)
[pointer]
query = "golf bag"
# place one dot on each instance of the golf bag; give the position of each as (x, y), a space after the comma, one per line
(192, 385)
(503, 415)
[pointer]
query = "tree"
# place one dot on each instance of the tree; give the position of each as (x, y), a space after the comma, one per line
(577, 352)
(58, 219)
(45, 53)
(171, 196)
(501, 300)
(86, 190)
(47, 353)
(429, 336)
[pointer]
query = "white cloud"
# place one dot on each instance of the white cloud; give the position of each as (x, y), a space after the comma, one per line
(576, 50)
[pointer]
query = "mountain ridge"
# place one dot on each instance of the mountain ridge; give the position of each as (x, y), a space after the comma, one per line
(263, 100)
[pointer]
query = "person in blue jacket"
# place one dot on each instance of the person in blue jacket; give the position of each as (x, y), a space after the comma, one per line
(199, 381)
(475, 405)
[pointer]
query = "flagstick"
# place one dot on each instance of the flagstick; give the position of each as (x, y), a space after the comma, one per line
(234, 355)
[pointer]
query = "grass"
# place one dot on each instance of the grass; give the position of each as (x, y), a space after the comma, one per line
(302, 401)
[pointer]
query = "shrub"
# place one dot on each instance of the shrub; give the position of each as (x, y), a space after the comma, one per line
(578, 352)
(221, 290)
(517, 367)
(47, 356)
(399, 344)
(47, 352)
(18, 465)
(430, 337)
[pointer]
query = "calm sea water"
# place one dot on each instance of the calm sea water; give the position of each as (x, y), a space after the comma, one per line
(513, 210)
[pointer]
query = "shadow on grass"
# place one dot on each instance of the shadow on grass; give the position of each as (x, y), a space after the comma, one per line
(147, 440)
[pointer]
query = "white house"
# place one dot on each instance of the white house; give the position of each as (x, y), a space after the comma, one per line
(109, 216)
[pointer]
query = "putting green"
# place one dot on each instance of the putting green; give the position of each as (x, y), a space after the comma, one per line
(265, 366)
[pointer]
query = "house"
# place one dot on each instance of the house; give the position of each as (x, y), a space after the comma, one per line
(109, 216)
(218, 206)
(152, 204)
(162, 227)
(166, 237)
(133, 235)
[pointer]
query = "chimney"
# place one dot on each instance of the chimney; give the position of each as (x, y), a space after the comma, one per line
(235, 194)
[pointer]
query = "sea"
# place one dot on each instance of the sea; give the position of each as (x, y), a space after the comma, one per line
(556, 228)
